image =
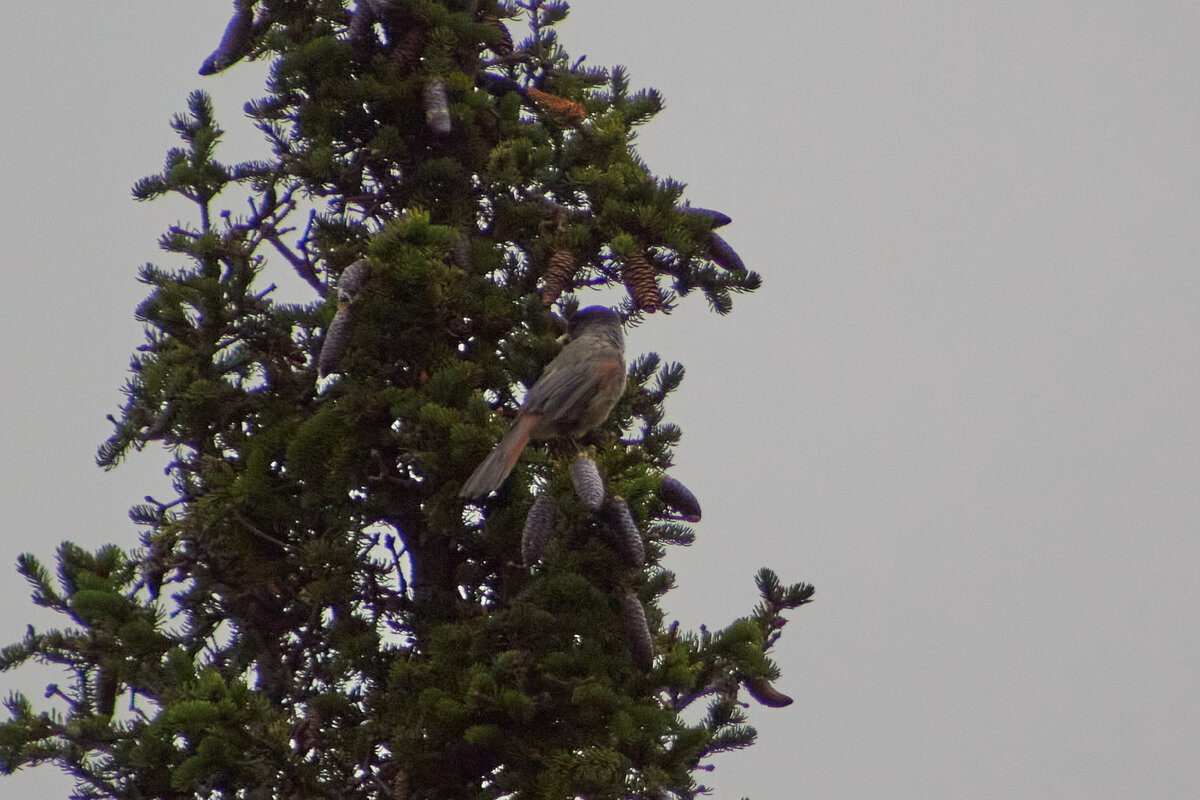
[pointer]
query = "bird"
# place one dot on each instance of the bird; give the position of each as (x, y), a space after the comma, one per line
(574, 394)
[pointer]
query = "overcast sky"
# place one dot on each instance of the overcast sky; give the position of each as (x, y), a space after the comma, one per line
(964, 404)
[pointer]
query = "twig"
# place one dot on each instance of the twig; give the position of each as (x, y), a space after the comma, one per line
(302, 267)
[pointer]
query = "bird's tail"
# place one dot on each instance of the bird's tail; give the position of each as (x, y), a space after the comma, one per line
(488, 476)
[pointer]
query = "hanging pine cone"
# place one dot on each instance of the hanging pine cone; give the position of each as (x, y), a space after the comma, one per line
(106, 691)
(558, 274)
(498, 85)
(571, 112)
(539, 523)
(715, 218)
(762, 691)
(504, 47)
(337, 338)
(236, 41)
(351, 280)
(362, 20)
(306, 732)
(624, 531)
(679, 499)
(462, 251)
(639, 277)
(720, 252)
(409, 48)
(437, 107)
(637, 631)
(588, 484)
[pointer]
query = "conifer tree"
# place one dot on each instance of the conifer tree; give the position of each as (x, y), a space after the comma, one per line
(315, 612)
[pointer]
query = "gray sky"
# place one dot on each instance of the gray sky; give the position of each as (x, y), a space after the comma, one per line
(964, 405)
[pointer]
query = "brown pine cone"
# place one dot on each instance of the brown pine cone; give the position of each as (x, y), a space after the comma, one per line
(762, 691)
(409, 48)
(504, 47)
(639, 277)
(571, 112)
(559, 272)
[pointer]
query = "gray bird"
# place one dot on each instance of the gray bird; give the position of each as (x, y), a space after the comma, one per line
(575, 393)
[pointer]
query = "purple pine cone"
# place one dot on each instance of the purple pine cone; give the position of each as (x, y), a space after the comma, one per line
(718, 219)
(680, 500)
(619, 521)
(351, 280)
(720, 252)
(539, 523)
(637, 631)
(437, 107)
(336, 340)
(236, 41)
(588, 484)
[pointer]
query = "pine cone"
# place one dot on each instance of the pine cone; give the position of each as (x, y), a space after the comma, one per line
(236, 41)
(362, 20)
(504, 47)
(558, 274)
(462, 251)
(400, 785)
(716, 218)
(637, 632)
(588, 484)
(437, 107)
(409, 48)
(725, 256)
(497, 85)
(337, 338)
(539, 524)
(619, 521)
(639, 277)
(762, 691)
(679, 499)
(106, 691)
(306, 732)
(571, 112)
(351, 280)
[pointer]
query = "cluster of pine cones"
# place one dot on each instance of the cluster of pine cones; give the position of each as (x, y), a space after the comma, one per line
(638, 269)
(618, 521)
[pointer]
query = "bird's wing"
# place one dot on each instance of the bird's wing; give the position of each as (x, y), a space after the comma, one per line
(566, 386)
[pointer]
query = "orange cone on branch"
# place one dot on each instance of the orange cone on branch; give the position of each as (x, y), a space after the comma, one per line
(639, 277)
(571, 112)
(561, 269)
